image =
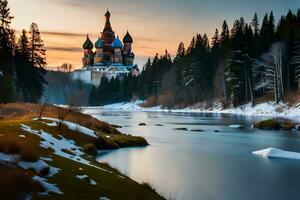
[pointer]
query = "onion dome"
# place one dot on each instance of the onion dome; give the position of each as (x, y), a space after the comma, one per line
(99, 44)
(88, 43)
(127, 38)
(117, 44)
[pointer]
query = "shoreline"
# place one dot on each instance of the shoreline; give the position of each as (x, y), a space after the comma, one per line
(264, 109)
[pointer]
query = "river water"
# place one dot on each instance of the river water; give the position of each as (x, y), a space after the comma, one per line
(208, 165)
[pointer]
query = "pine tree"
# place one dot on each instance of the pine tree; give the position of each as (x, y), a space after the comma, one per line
(271, 25)
(38, 63)
(23, 67)
(255, 25)
(216, 40)
(7, 86)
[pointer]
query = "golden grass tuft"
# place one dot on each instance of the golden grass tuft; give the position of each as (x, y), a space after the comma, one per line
(12, 144)
(17, 183)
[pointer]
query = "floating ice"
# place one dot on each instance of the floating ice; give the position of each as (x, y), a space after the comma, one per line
(277, 153)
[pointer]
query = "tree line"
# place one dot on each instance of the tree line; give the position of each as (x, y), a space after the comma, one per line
(22, 61)
(241, 64)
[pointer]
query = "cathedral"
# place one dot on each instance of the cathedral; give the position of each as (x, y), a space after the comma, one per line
(108, 56)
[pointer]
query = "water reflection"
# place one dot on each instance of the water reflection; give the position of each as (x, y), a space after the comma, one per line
(205, 165)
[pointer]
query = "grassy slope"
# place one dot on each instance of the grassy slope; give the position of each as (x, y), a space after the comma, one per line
(110, 185)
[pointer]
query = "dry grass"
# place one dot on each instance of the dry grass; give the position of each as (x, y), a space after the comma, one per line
(293, 97)
(90, 149)
(16, 184)
(12, 144)
(148, 186)
(23, 111)
(150, 102)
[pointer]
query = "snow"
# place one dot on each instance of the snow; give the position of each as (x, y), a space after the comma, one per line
(38, 166)
(6, 158)
(92, 182)
(50, 188)
(277, 153)
(53, 124)
(236, 126)
(81, 177)
(122, 177)
(72, 126)
(60, 146)
(104, 198)
(46, 159)
(268, 108)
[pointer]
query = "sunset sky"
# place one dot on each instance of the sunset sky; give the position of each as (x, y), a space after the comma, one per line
(155, 25)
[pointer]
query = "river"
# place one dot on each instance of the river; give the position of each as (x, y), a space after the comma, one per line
(208, 165)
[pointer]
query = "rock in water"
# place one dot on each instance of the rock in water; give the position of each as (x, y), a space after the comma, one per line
(142, 124)
(181, 129)
(269, 124)
(197, 130)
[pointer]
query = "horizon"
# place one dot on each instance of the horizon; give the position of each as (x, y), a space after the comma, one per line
(63, 38)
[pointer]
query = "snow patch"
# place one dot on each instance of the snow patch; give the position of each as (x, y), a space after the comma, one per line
(277, 153)
(7, 159)
(104, 198)
(38, 166)
(81, 177)
(74, 127)
(53, 124)
(60, 146)
(92, 182)
(50, 188)
(46, 159)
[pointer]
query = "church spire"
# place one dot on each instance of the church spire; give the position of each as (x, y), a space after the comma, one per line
(107, 26)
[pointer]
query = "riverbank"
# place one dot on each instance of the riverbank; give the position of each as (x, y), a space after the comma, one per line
(39, 160)
(263, 109)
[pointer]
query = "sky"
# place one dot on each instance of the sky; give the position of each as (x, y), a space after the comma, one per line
(155, 25)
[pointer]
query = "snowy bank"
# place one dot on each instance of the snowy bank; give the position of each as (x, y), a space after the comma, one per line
(268, 108)
(72, 126)
(277, 153)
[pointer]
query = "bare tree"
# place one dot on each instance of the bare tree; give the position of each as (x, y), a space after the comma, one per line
(271, 65)
(74, 105)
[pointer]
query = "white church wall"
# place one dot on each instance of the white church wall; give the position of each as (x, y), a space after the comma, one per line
(83, 75)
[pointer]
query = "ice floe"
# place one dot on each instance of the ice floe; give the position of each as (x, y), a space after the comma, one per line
(236, 126)
(277, 153)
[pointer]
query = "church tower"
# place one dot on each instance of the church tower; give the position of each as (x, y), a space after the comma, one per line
(128, 56)
(88, 56)
(99, 44)
(117, 46)
(108, 37)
